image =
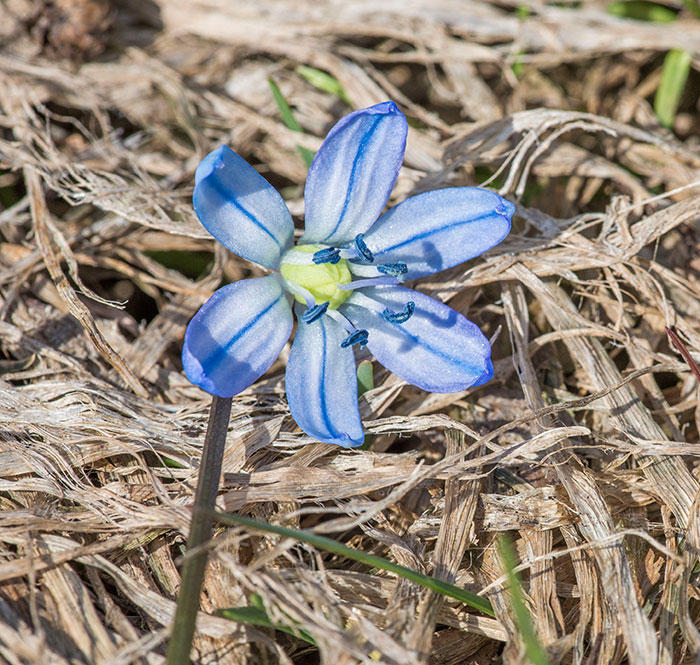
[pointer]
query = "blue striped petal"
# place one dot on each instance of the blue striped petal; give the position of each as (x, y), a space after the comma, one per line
(241, 209)
(236, 335)
(440, 229)
(353, 173)
(321, 384)
(436, 348)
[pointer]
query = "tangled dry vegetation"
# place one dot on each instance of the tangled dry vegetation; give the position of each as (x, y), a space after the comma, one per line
(583, 447)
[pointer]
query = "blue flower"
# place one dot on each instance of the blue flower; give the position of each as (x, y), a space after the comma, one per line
(342, 279)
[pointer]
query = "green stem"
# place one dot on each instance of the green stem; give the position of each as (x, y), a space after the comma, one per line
(193, 567)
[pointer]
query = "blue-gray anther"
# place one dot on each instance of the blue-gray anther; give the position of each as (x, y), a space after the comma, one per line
(326, 255)
(393, 269)
(362, 248)
(313, 313)
(400, 317)
(356, 337)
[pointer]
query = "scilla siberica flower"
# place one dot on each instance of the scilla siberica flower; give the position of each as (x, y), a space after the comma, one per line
(342, 279)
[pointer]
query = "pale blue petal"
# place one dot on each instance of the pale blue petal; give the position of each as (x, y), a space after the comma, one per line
(440, 229)
(321, 384)
(236, 335)
(241, 209)
(436, 349)
(353, 173)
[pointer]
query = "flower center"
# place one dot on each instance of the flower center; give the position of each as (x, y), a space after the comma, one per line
(320, 280)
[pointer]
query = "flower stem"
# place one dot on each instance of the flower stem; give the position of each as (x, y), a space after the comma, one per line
(193, 567)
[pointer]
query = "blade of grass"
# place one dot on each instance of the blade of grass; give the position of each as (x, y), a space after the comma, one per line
(323, 81)
(258, 617)
(289, 120)
(190, 264)
(641, 10)
(171, 463)
(365, 382)
(692, 6)
(365, 377)
(533, 649)
(673, 78)
(523, 12)
(329, 545)
(285, 110)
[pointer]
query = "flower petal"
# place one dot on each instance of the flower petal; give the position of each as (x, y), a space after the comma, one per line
(241, 209)
(436, 349)
(353, 173)
(322, 384)
(440, 229)
(236, 335)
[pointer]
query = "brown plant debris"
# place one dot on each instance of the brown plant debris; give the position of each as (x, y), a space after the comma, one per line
(583, 448)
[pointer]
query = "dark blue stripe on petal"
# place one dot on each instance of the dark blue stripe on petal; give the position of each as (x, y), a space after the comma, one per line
(209, 363)
(436, 349)
(237, 335)
(425, 343)
(352, 175)
(441, 228)
(322, 384)
(356, 167)
(427, 234)
(225, 195)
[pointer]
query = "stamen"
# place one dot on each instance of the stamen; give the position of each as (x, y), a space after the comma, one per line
(294, 257)
(341, 319)
(357, 337)
(313, 313)
(362, 248)
(363, 270)
(393, 269)
(361, 283)
(300, 291)
(327, 255)
(400, 317)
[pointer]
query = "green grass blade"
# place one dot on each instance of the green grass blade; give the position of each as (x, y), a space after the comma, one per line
(641, 10)
(306, 154)
(692, 6)
(323, 81)
(365, 382)
(289, 120)
(190, 264)
(329, 545)
(365, 377)
(533, 649)
(258, 617)
(285, 110)
(171, 463)
(523, 11)
(673, 78)
(518, 66)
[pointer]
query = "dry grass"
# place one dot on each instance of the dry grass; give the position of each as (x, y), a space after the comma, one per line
(583, 446)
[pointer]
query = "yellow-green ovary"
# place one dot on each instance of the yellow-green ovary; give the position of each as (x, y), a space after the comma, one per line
(321, 280)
